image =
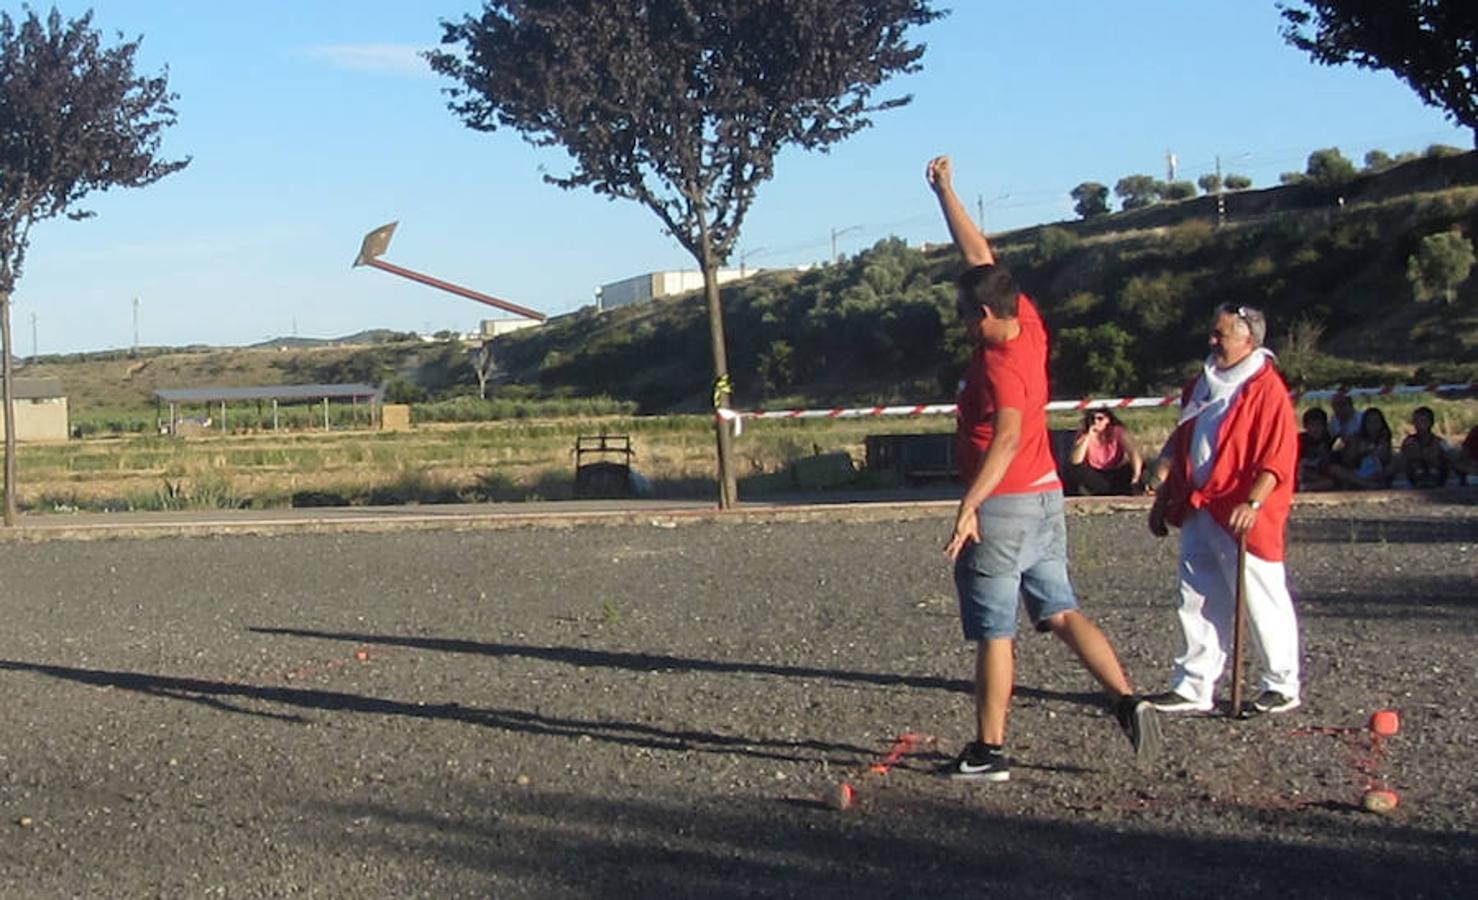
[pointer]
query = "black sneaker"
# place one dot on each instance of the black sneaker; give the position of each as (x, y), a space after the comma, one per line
(1171, 702)
(977, 762)
(1141, 723)
(1271, 702)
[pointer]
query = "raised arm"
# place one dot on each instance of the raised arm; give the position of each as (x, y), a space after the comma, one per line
(967, 237)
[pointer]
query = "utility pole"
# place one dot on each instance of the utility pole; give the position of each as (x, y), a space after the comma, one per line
(1221, 200)
(981, 203)
(746, 254)
(1170, 162)
(838, 232)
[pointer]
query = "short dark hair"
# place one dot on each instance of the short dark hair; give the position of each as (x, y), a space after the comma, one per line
(1316, 414)
(1424, 411)
(991, 287)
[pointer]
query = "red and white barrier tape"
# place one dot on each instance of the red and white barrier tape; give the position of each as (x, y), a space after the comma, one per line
(928, 409)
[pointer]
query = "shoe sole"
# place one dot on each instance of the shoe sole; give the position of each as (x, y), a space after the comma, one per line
(996, 777)
(1273, 710)
(1146, 737)
(1180, 708)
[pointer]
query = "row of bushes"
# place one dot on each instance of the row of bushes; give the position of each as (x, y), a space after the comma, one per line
(473, 409)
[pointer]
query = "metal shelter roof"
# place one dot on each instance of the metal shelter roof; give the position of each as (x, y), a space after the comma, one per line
(269, 392)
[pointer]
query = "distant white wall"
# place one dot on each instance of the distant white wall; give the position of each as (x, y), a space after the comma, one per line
(42, 419)
(651, 286)
(491, 328)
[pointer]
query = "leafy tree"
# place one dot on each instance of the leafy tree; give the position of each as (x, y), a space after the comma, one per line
(1210, 183)
(1432, 45)
(1178, 190)
(1157, 302)
(1137, 191)
(1328, 168)
(1090, 199)
(399, 390)
(681, 106)
(1237, 182)
(777, 367)
(1094, 361)
(1441, 263)
(74, 118)
(1442, 151)
(1293, 178)
(1378, 161)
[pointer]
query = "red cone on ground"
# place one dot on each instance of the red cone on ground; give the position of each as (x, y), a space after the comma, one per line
(1385, 722)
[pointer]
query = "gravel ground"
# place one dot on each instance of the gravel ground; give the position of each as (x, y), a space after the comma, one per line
(660, 711)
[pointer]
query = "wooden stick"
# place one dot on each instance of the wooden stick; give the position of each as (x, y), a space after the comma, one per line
(1239, 627)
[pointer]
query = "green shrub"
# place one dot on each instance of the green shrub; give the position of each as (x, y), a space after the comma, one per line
(1441, 263)
(1053, 242)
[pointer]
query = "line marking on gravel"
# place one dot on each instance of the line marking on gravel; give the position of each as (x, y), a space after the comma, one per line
(843, 795)
(1364, 757)
(313, 669)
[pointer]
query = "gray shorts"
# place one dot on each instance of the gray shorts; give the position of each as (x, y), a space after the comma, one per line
(1021, 555)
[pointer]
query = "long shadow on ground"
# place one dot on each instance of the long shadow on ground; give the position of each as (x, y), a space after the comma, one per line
(1382, 531)
(1446, 599)
(219, 694)
(903, 845)
(654, 662)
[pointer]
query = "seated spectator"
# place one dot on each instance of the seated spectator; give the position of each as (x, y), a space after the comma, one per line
(1424, 455)
(1343, 420)
(1104, 459)
(1363, 460)
(1467, 457)
(1315, 453)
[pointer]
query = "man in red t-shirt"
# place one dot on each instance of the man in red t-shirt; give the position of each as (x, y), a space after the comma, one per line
(1010, 536)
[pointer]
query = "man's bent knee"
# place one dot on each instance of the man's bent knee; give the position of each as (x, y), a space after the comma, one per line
(1058, 623)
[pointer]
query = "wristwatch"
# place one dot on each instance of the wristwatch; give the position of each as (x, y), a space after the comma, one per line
(1255, 505)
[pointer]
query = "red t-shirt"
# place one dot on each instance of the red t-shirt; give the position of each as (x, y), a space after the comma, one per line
(1012, 376)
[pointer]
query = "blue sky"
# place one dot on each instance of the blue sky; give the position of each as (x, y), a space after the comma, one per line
(312, 122)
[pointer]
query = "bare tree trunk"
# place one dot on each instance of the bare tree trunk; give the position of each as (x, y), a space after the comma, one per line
(728, 482)
(484, 365)
(7, 397)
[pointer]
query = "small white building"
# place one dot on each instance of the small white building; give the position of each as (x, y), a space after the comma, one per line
(644, 288)
(492, 328)
(40, 410)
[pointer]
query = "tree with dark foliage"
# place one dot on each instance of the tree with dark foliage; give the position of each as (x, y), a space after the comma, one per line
(1432, 45)
(74, 118)
(681, 105)
(1091, 199)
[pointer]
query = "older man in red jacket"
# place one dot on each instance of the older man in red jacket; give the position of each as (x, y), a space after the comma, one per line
(1231, 463)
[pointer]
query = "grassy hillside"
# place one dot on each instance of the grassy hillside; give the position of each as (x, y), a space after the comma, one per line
(1128, 296)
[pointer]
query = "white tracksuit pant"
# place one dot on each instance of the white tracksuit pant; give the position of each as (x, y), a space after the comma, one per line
(1208, 586)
